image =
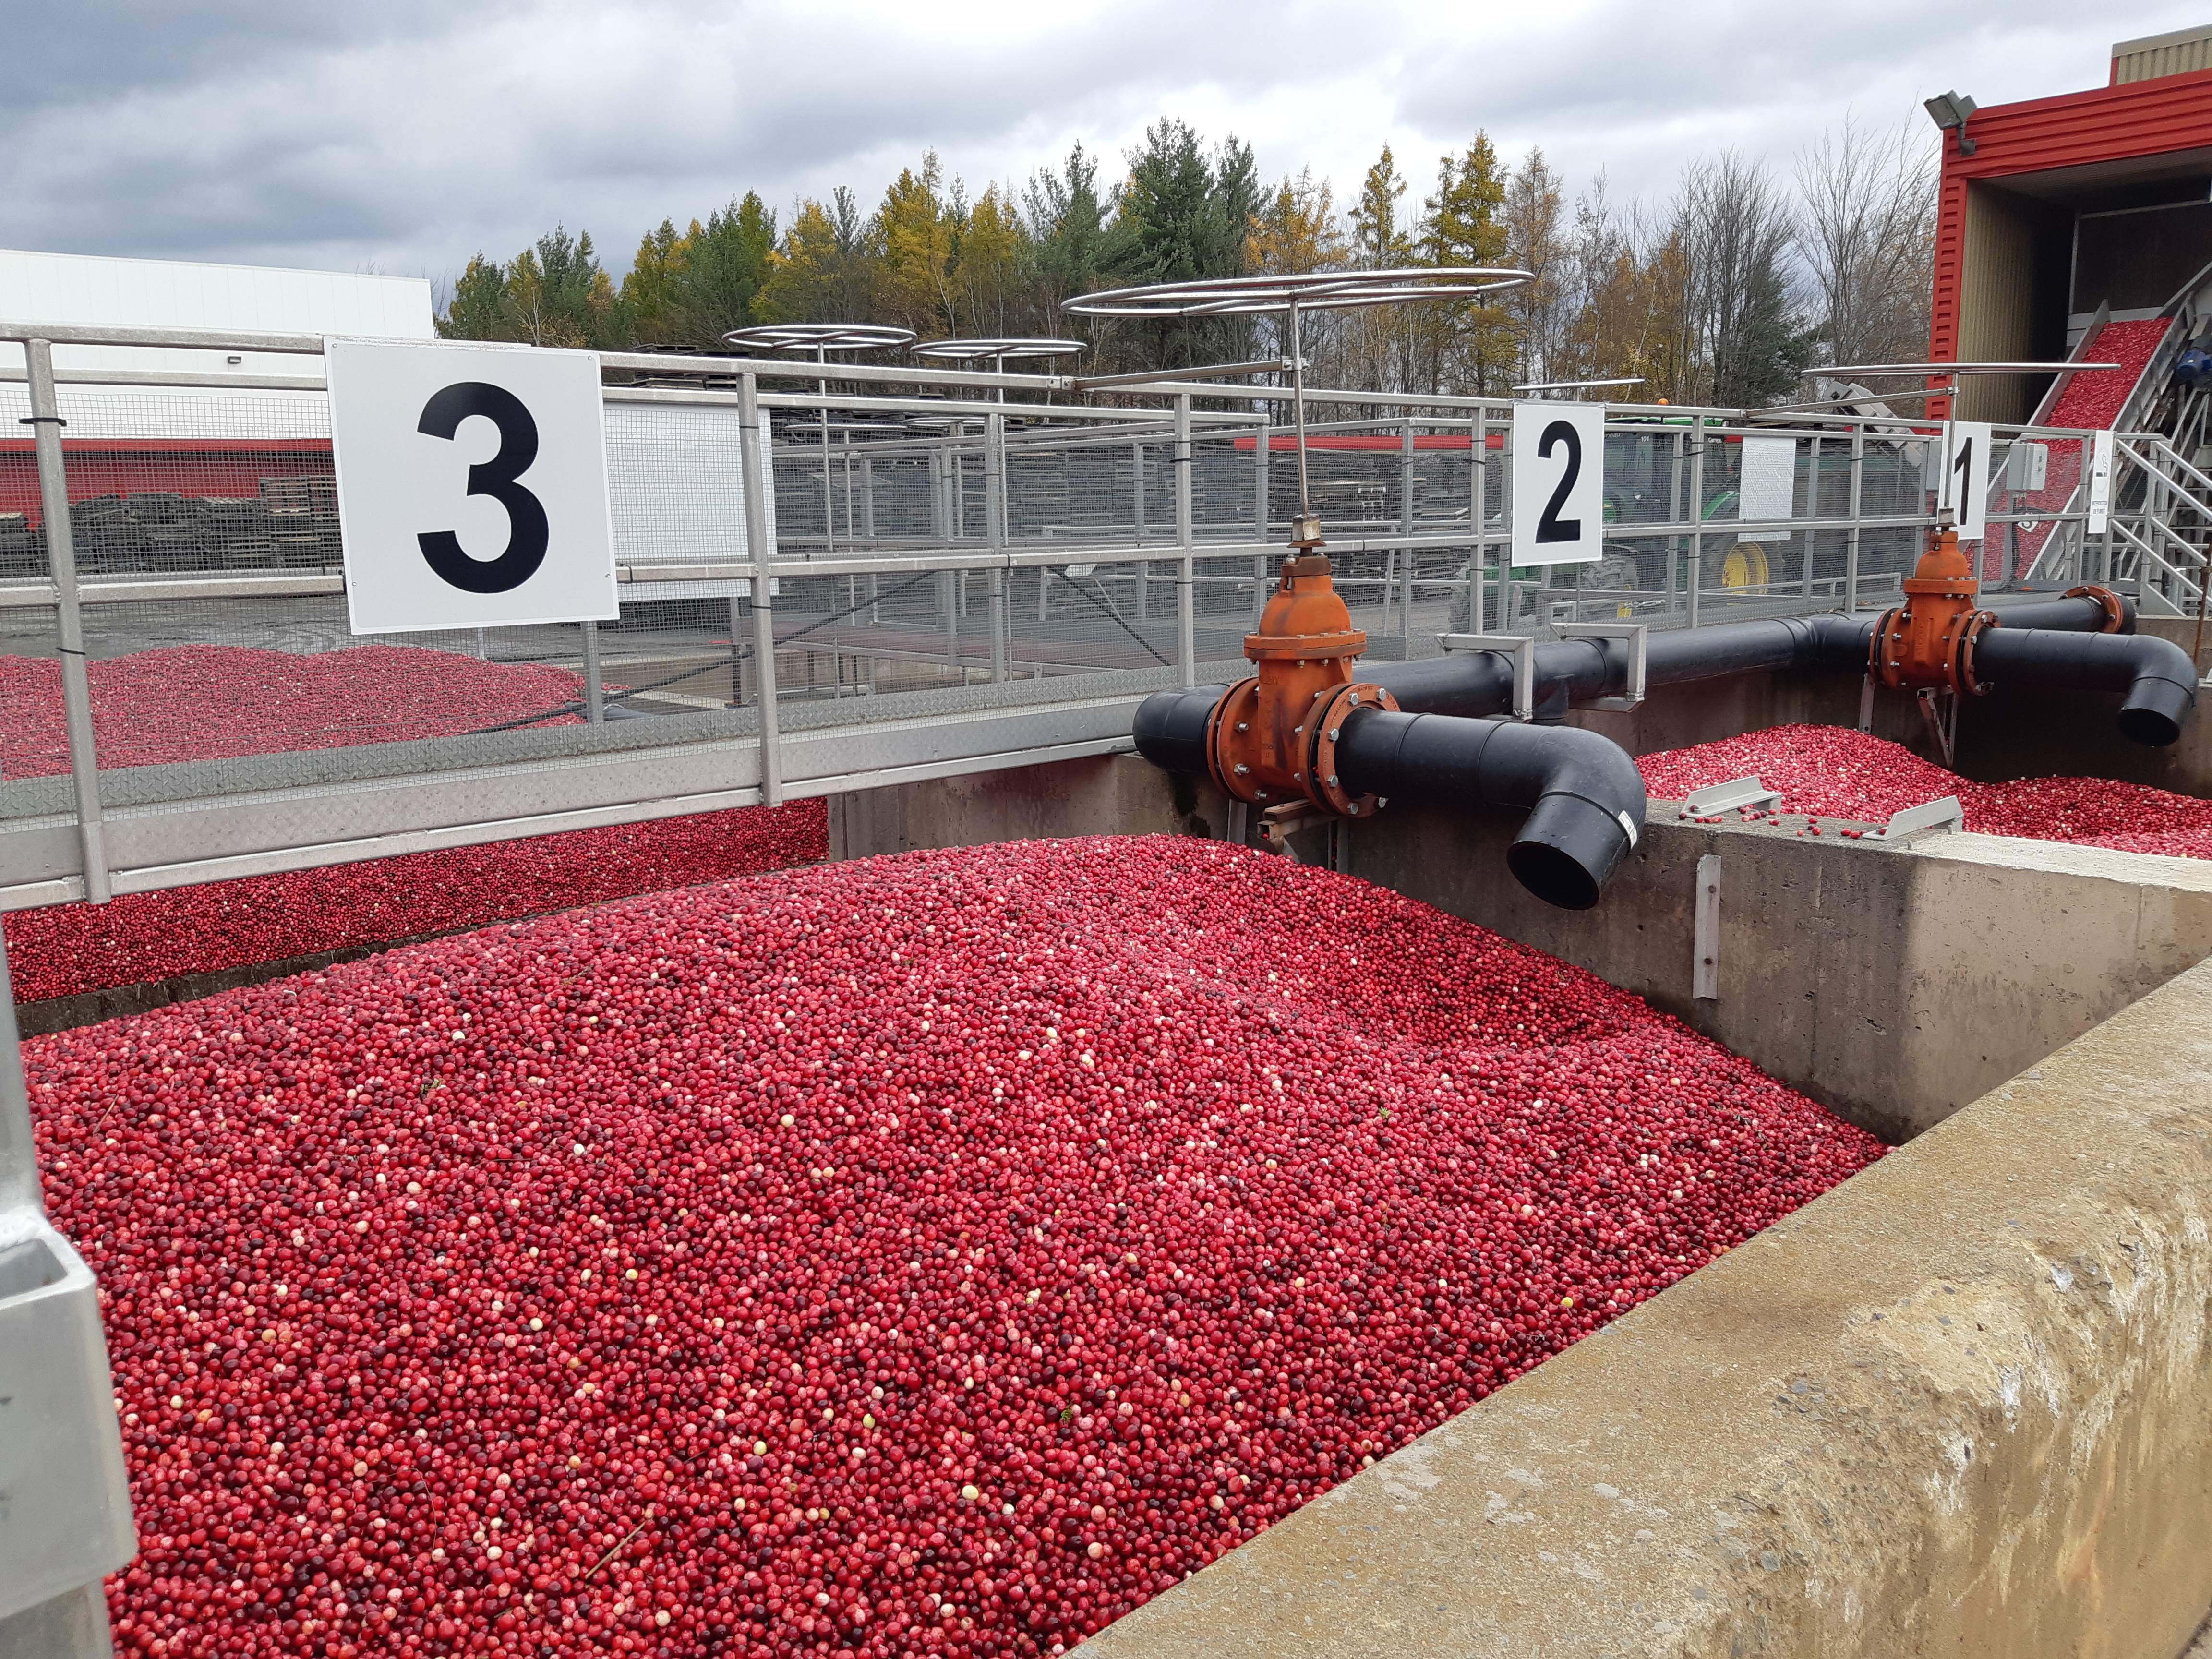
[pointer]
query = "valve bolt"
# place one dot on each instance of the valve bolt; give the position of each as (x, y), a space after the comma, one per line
(1333, 730)
(1332, 780)
(1242, 770)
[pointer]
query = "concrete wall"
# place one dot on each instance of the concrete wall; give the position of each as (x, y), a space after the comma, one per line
(1891, 984)
(1958, 1406)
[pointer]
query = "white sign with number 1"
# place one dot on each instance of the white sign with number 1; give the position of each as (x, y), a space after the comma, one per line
(1558, 484)
(472, 486)
(1964, 487)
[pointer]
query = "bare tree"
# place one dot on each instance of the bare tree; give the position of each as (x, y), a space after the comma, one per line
(1868, 240)
(1735, 229)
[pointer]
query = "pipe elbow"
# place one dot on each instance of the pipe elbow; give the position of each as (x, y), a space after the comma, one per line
(1588, 817)
(2157, 678)
(1583, 793)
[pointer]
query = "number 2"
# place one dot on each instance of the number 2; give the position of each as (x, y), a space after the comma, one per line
(528, 532)
(1551, 527)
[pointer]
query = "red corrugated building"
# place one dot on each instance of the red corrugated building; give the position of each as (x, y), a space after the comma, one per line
(2070, 204)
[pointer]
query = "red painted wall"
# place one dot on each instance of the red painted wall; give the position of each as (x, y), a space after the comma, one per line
(188, 467)
(2105, 124)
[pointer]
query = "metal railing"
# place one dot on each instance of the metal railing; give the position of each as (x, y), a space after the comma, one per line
(977, 570)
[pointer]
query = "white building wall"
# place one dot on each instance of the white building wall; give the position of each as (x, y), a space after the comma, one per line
(89, 291)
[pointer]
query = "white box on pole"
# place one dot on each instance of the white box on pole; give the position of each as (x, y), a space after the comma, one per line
(2101, 482)
(1558, 484)
(472, 486)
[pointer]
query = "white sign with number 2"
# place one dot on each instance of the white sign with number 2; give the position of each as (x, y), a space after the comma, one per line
(472, 486)
(1558, 484)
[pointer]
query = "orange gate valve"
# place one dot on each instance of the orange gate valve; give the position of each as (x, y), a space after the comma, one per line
(1273, 737)
(1928, 642)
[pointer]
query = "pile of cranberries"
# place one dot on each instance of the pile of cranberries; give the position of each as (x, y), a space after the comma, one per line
(938, 1255)
(151, 937)
(1832, 772)
(204, 702)
(221, 701)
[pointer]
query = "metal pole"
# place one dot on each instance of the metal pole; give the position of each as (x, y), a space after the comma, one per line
(1298, 402)
(1478, 518)
(753, 473)
(828, 487)
(45, 424)
(1696, 571)
(594, 696)
(1143, 567)
(1186, 566)
(1812, 511)
(18, 1156)
(995, 525)
(1674, 516)
(1852, 537)
(1406, 527)
(1262, 442)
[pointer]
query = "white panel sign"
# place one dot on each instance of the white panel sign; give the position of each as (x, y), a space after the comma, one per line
(2101, 482)
(1558, 484)
(1767, 487)
(1964, 486)
(472, 486)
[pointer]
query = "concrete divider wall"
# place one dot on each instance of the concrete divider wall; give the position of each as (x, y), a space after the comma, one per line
(1891, 984)
(1962, 1405)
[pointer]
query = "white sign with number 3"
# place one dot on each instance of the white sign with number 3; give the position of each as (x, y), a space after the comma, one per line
(1558, 484)
(472, 486)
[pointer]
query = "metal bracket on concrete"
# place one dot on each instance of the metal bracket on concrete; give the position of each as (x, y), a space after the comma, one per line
(1636, 634)
(1937, 815)
(1723, 797)
(1705, 935)
(1866, 704)
(1522, 653)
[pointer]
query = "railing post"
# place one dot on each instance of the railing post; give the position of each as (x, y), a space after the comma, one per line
(45, 424)
(19, 1153)
(1851, 540)
(595, 711)
(1262, 442)
(753, 472)
(1186, 562)
(1812, 511)
(1405, 529)
(1674, 516)
(1695, 564)
(1144, 569)
(994, 524)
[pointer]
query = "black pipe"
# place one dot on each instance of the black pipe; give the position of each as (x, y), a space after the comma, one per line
(1478, 683)
(1170, 728)
(1584, 796)
(2159, 677)
(2056, 611)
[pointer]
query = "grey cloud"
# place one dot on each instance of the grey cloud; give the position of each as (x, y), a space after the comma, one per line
(407, 136)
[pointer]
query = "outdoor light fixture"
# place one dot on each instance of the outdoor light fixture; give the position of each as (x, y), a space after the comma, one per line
(1950, 110)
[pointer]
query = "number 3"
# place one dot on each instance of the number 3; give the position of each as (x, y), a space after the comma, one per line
(528, 532)
(1551, 527)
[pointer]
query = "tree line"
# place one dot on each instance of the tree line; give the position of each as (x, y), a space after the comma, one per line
(1723, 294)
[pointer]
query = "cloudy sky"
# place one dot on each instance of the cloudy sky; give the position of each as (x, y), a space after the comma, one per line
(405, 135)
